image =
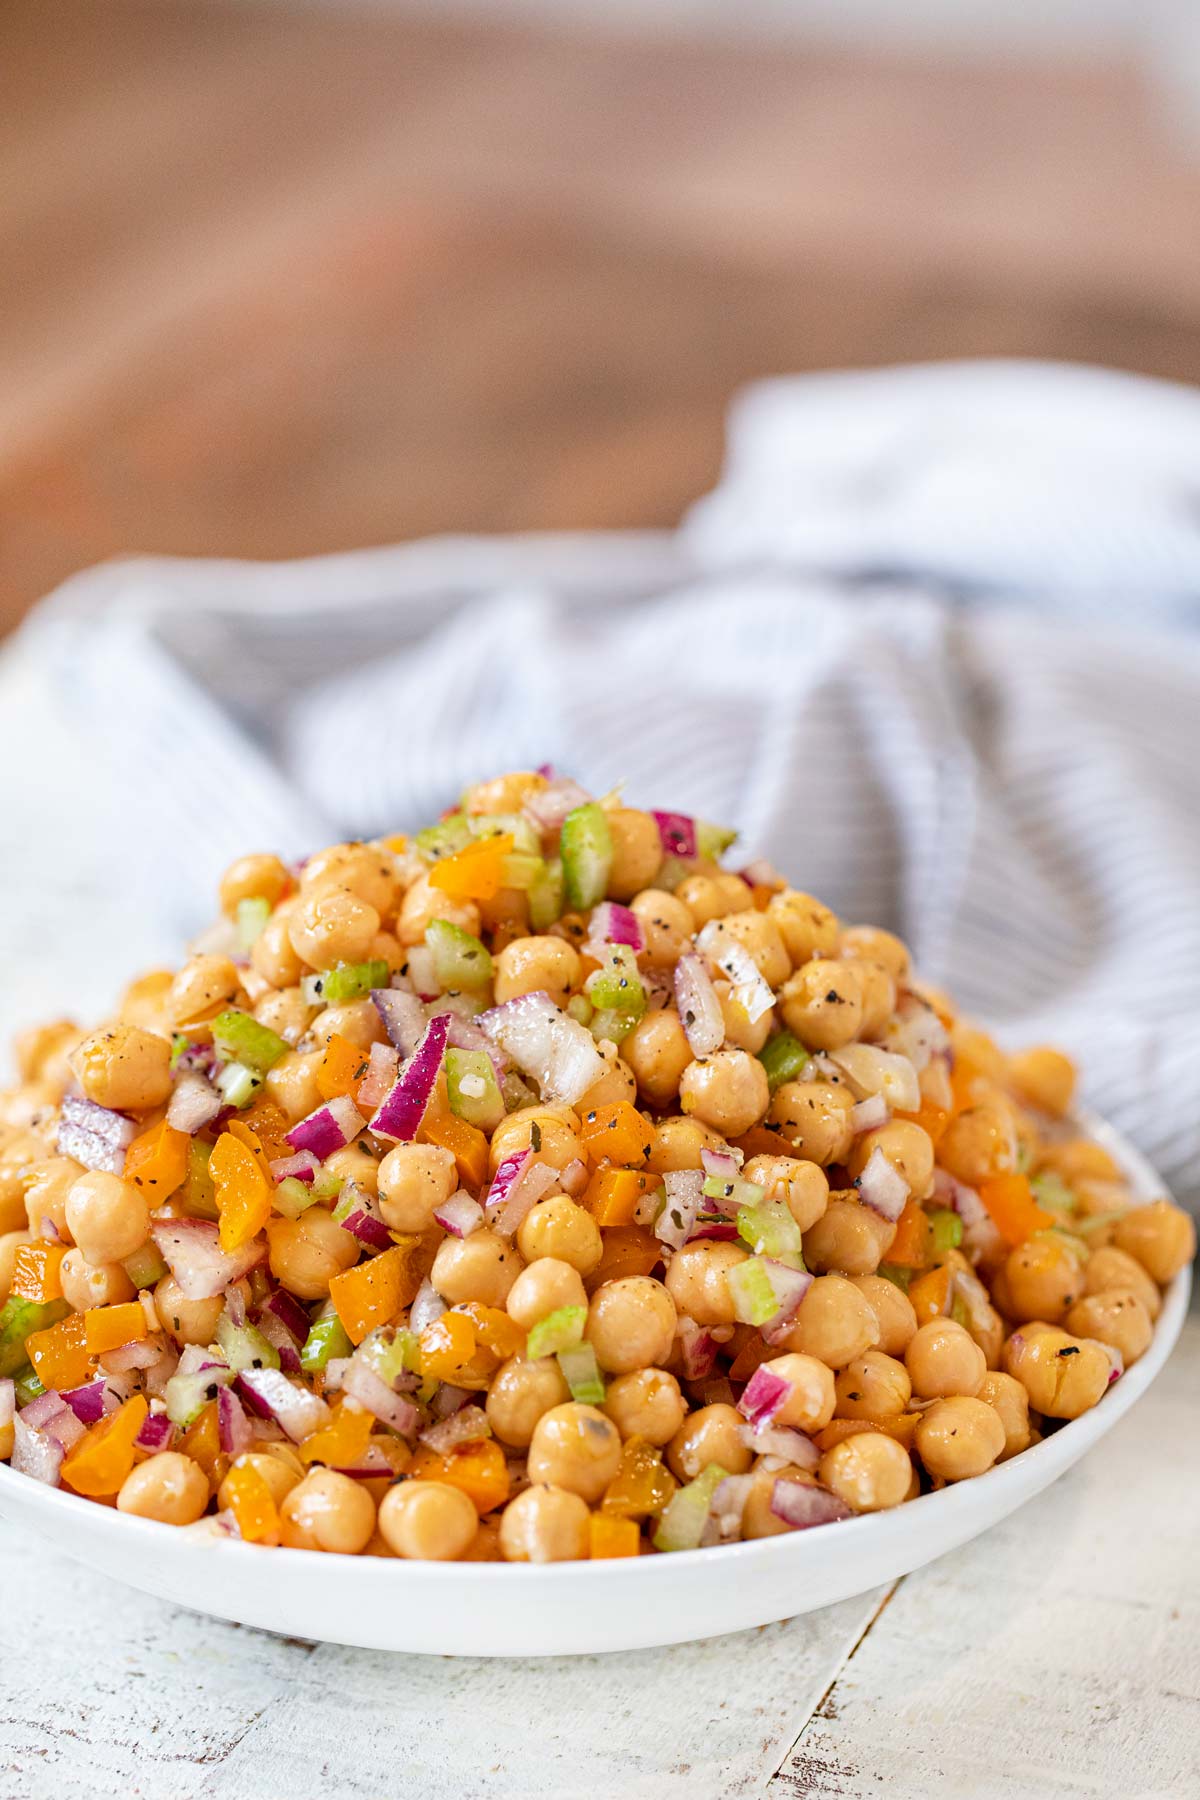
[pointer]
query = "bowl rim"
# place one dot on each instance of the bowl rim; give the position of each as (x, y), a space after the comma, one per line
(958, 1501)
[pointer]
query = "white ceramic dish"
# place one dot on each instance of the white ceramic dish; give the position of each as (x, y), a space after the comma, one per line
(498, 1609)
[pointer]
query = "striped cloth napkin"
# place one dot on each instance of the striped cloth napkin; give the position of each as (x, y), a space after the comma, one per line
(931, 643)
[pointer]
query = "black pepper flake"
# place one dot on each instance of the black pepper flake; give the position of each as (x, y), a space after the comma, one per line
(535, 1136)
(1069, 1350)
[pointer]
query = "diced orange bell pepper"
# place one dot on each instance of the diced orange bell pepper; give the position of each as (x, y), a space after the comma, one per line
(932, 1119)
(476, 872)
(914, 1236)
(628, 1250)
(754, 1351)
(109, 1327)
(967, 1080)
(243, 1191)
(466, 1144)
(103, 1456)
(397, 843)
(617, 1133)
(900, 1426)
(202, 1442)
(1014, 1211)
(929, 1294)
(7, 1437)
(252, 1505)
(642, 1484)
(446, 1346)
(613, 1195)
(59, 1354)
(373, 1293)
(341, 1068)
(478, 1468)
(341, 1443)
(270, 1127)
(760, 1140)
(612, 1537)
(157, 1161)
(245, 1134)
(493, 1328)
(36, 1274)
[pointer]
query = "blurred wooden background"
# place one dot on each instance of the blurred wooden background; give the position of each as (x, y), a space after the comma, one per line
(278, 281)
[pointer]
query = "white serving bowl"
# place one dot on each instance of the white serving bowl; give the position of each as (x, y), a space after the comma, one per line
(501, 1609)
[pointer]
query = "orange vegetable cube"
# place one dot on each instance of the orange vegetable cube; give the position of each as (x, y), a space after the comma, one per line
(36, 1274)
(932, 1119)
(157, 1161)
(930, 1294)
(494, 1328)
(466, 1144)
(476, 872)
(446, 1346)
(202, 1442)
(900, 1426)
(269, 1125)
(108, 1327)
(478, 1468)
(242, 1188)
(245, 1134)
(341, 1443)
(59, 1354)
(103, 1456)
(760, 1140)
(341, 1068)
(642, 1484)
(613, 1195)
(252, 1505)
(613, 1537)
(373, 1293)
(7, 1436)
(754, 1351)
(911, 1245)
(1014, 1211)
(628, 1250)
(618, 1133)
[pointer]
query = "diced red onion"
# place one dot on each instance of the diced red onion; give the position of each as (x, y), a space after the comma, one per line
(269, 1393)
(790, 1285)
(86, 1148)
(612, 923)
(699, 1007)
(556, 1051)
(685, 1197)
(800, 1505)
(728, 1505)
(549, 806)
(962, 1199)
(723, 1165)
(460, 1215)
(100, 1121)
(192, 1252)
(517, 1186)
(869, 1114)
(8, 1401)
(882, 1187)
(780, 1440)
(422, 972)
(462, 1427)
(156, 1433)
(763, 1397)
(303, 1166)
(329, 1129)
(149, 1311)
(369, 1388)
(676, 833)
(364, 1221)
(751, 992)
(45, 1408)
(400, 1115)
(870, 1070)
(198, 1359)
(194, 1103)
(761, 873)
(427, 1306)
(1116, 1361)
(449, 1400)
(403, 1017)
(698, 1349)
(281, 1341)
(721, 1231)
(233, 1427)
(384, 1065)
(288, 1310)
(143, 1353)
(35, 1453)
(574, 1178)
(235, 1305)
(917, 1032)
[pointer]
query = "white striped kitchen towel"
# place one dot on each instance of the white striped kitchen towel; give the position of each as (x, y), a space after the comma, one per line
(931, 644)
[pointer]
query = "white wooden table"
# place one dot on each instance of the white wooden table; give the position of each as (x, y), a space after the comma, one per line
(1057, 1657)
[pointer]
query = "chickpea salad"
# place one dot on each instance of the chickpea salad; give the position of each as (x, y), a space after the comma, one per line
(539, 1189)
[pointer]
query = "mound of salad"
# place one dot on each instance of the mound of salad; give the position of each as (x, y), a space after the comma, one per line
(539, 1188)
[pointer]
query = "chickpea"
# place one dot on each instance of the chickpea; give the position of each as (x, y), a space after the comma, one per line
(287, 1013)
(21, 1155)
(354, 1162)
(480, 1267)
(556, 1129)
(544, 1524)
(107, 1217)
(168, 1487)
(631, 1324)
(667, 927)
(1009, 1401)
(272, 955)
(575, 1447)
(292, 1083)
(520, 1393)
(332, 926)
(280, 1476)
(943, 1358)
(869, 1471)
(834, 1323)
(201, 988)
(145, 1002)
(1081, 1159)
(617, 1082)
(761, 938)
(849, 1237)
(712, 1434)
(823, 1003)
(906, 1146)
(1044, 1078)
(727, 1090)
(869, 944)
(532, 964)
(979, 1143)
(38, 1049)
(46, 1187)
(879, 999)
(959, 1437)
(741, 1031)
(758, 1521)
(259, 877)
(413, 1181)
(810, 1405)
(1111, 1268)
(10, 1243)
(428, 1520)
(124, 1067)
(187, 1321)
(678, 1143)
(815, 1117)
(802, 1186)
(328, 1511)
(364, 870)
(1161, 1236)
(1042, 1277)
(1063, 1376)
(873, 1386)
(306, 1253)
(424, 903)
(647, 1404)
(355, 1020)
(1116, 1318)
(715, 897)
(808, 928)
(558, 1227)
(893, 1310)
(86, 1284)
(697, 1280)
(637, 852)
(541, 1288)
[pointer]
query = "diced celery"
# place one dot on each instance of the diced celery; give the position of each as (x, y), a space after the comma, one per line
(784, 1059)
(587, 854)
(753, 1295)
(580, 1008)
(325, 1343)
(960, 1312)
(238, 1084)
(545, 896)
(714, 840)
(560, 1330)
(349, 981)
(617, 983)
(18, 1318)
(27, 1385)
(611, 1025)
(391, 1353)
(187, 1396)
(145, 1266)
(947, 1230)
(673, 870)
(293, 1196)
(244, 1346)
(1051, 1192)
(252, 916)
(445, 838)
(522, 870)
(241, 1039)
(769, 1229)
(459, 960)
(736, 1191)
(199, 1193)
(686, 1513)
(473, 1090)
(180, 1044)
(327, 1185)
(581, 1372)
(896, 1274)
